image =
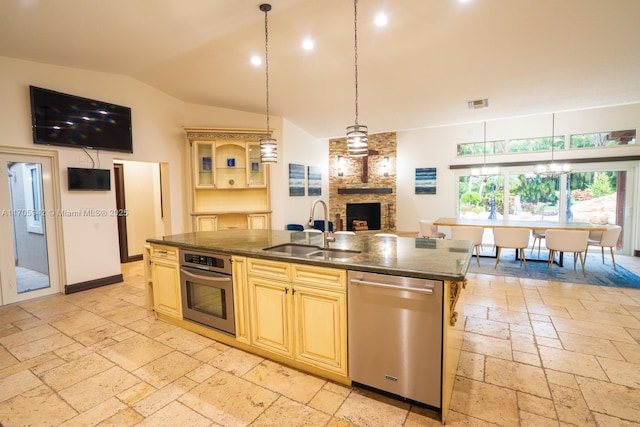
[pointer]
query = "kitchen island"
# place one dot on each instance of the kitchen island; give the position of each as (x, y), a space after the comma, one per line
(290, 292)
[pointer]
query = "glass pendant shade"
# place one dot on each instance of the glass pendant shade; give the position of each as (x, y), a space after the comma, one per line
(357, 141)
(268, 150)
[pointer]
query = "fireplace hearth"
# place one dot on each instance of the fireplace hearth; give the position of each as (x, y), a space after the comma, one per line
(369, 212)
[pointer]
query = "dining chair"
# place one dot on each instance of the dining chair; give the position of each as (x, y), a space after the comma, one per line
(471, 233)
(429, 230)
(511, 238)
(567, 241)
(538, 235)
(352, 233)
(295, 227)
(605, 239)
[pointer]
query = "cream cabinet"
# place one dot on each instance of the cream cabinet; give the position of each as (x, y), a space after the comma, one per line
(165, 275)
(241, 298)
(229, 185)
(300, 312)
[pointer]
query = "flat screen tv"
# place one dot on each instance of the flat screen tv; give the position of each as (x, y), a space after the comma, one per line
(72, 121)
(89, 179)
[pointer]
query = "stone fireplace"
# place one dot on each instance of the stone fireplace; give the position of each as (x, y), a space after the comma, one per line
(366, 212)
(363, 181)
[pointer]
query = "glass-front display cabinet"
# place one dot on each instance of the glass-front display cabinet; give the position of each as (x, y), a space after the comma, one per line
(229, 184)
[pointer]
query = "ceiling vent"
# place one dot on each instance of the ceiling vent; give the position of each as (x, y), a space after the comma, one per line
(478, 103)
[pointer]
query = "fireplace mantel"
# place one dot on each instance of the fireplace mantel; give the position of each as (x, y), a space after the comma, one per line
(367, 190)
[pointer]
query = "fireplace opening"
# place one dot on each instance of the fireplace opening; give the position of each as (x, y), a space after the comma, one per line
(369, 212)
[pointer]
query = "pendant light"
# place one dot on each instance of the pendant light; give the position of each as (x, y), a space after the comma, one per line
(268, 145)
(552, 169)
(357, 134)
(485, 171)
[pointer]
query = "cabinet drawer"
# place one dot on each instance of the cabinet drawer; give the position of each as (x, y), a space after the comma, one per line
(164, 252)
(320, 277)
(269, 269)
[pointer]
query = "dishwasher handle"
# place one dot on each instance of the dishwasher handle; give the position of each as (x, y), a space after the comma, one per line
(427, 291)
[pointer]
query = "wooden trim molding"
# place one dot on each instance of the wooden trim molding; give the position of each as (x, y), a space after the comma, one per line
(91, 284)
(531, 163)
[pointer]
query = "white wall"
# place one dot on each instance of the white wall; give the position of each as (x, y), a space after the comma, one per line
(91, 243)
(301, 148)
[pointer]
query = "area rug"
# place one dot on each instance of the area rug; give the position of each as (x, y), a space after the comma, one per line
(597, 272)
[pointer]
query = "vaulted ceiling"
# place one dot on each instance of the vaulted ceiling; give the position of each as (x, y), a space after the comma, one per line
(420, 70)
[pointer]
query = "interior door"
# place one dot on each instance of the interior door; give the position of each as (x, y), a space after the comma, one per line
(28, 255)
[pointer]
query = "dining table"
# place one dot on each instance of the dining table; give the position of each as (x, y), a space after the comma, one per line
(517, 223)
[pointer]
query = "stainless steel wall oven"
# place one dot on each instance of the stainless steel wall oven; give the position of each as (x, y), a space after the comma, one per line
(207, 289)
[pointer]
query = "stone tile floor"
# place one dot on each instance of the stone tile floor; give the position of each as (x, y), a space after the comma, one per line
(535, 353)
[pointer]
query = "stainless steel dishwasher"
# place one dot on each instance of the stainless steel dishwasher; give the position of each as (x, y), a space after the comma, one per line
(395, 335)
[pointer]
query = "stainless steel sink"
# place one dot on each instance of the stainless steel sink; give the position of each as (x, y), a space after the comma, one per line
(312, 251)
(293, 249)
(333, 254)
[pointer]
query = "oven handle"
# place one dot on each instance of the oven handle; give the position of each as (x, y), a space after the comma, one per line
(212, 278)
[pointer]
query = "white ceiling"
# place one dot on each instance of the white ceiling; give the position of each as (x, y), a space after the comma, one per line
(526, 56)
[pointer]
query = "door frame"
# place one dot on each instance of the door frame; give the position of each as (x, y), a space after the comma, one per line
(52, 157)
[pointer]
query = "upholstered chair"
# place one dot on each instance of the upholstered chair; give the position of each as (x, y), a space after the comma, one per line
(574, 241)
(511, 238)
(428, 230)
(605, 239)
(538, 235)
(471, 233)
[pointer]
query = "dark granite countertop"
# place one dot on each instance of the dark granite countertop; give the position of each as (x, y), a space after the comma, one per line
(402, 256)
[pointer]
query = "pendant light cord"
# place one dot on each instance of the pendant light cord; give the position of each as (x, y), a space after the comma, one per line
(266, 62)
(355, 31)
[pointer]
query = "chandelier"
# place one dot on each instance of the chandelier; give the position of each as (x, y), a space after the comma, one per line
(485, 171)
(268, 145)
(552, 169)
(357, 134)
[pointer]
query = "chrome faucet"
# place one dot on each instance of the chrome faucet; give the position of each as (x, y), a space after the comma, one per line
(326, 238)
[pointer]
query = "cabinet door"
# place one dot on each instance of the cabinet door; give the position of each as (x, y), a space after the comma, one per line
(166, 288)
(255, 169)
(203, 169)
(241, 299)
(258, 221)
(321, 328)
(207, 223)
(271, 315)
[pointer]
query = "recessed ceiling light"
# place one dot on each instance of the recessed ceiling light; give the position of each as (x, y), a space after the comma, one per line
(256, 60)
(307, 44)
(381, 19)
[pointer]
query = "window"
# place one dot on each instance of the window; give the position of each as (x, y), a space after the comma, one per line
(33, 197)
(603, 139)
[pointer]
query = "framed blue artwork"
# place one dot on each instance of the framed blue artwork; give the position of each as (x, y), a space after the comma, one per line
(314, 181)
(296, 180)
(425, 180)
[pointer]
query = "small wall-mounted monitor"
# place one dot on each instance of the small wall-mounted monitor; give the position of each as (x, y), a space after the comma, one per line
(89, 179)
